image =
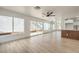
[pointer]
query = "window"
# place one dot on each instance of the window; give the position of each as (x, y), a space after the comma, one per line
(36, 26)
(5, 24)
(18, 25)
(39, 26)
(11, 24)
(59, 24)
(46, 26)
(32, 26)
(54, 23)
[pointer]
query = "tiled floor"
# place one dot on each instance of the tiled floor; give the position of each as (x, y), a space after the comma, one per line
(46, 43)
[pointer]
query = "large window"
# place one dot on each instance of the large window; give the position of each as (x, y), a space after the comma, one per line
(59, 24)
(39, 27)
(46, 26)
(56, 24)
(18, 25)
(5, 24)
(11, 24)
(32, 26)
(36, 26)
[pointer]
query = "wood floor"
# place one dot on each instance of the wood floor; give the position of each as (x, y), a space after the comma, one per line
(46, 43)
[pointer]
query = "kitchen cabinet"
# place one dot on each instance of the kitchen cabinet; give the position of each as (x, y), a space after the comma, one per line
(71, 34)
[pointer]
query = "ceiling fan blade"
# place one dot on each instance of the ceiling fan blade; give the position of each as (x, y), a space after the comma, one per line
(48, 13)
(52, 15)
(51, 12)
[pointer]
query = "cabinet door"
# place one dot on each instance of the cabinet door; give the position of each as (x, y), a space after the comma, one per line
(65, 34)
(71, 35)
(74, 35)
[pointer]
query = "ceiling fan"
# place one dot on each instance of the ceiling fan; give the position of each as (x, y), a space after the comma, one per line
(48, 13)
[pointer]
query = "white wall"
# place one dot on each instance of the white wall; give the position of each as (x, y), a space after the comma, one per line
(21, 9)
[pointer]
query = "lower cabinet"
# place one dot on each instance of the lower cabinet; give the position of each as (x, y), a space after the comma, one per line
(71, 34)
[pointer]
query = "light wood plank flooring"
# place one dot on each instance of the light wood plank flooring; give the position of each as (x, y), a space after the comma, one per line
(46, 43)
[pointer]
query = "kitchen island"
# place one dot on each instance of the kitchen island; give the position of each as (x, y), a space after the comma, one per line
(71, 34)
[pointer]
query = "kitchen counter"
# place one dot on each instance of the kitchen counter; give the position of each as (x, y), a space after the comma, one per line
(71, 34)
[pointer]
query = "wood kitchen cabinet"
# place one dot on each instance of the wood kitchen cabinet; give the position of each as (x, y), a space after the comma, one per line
(71, 34)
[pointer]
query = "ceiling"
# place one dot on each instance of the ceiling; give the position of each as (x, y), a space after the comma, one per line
(60, 11)
(63, 10)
